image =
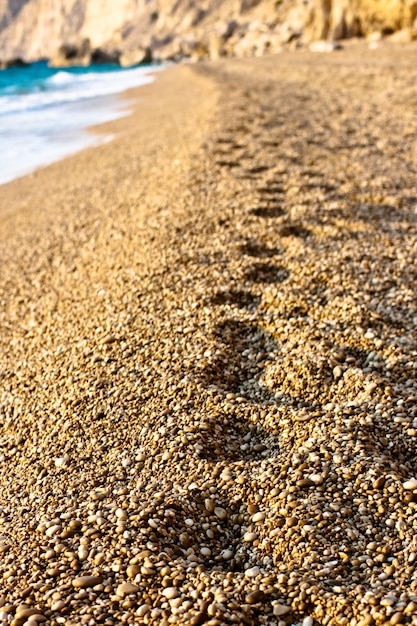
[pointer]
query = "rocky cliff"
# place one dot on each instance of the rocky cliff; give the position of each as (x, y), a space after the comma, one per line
(132, 30)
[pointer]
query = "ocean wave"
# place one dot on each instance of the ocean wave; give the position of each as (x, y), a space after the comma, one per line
(66, 87)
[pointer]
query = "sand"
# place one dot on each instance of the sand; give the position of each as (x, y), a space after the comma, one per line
(208, 354)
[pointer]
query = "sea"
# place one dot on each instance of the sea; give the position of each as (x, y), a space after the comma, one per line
(45, 112)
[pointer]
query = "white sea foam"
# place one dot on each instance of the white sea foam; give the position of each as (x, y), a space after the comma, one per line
(44, 123)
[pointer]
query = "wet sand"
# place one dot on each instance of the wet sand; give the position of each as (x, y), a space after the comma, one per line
(208, 355)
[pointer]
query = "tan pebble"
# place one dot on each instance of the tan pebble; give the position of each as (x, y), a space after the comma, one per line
(124, 589)
(82, 553)
(132, 570)
(23, 611)
(397, 618)
(108, 339)
(58, 605)
(411, 608)
(99, 558)
(281, 609)
(83, 582)
(250, 537)
(254, 597)
(209, 504)
(259, 517)
(142, 610)
(198, 618)
(337, 372)
(121, 514)
(53, 530)
(170, 593)
(379, 482)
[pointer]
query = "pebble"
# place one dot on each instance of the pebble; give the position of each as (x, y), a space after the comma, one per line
(410, 484)
(258, 517)
(255, 596)
(62, 461)
(252, 572)
(23, 612)
(220, 512)
(281, 609)
(132, 570)
(226, 555)
(142, 610)
(170, 593)
(124, 589)
(83, 582)
(53, 530)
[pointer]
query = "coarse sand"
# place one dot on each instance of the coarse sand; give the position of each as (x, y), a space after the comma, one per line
(208, 354)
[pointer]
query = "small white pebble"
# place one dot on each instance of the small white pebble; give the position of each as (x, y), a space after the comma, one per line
(53, 530)
(170, 593)
(410, 484)
(220, 512)
(252, 572)
(62, 461)
(226, 555)
(205, 551)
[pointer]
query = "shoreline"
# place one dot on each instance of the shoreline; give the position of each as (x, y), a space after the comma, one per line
(207, 357)
(50, 123)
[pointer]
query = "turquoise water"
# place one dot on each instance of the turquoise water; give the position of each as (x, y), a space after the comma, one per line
(45, 112)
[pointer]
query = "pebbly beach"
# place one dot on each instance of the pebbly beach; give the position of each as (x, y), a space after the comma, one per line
(208, 354)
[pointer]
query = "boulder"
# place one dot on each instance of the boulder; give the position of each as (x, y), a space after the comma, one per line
(18, 62)
(72, 54)
(135, 56)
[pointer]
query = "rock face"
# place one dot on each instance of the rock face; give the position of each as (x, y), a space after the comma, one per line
(136, 30)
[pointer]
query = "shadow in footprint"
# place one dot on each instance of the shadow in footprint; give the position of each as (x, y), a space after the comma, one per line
(272, 190)
(267, 211)
(259, 250)
(238, 362)
(241, 299)
(229, 164)
(266, 273)
(294, 229)
(258, 169)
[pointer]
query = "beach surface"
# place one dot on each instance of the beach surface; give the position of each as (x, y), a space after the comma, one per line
(208, 354)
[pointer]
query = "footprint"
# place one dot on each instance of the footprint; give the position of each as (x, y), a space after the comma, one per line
(259, 250)
(294, 229)
(241, 299)
(266, 273)
(258, 169)
(229, 164)
(266, 211)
